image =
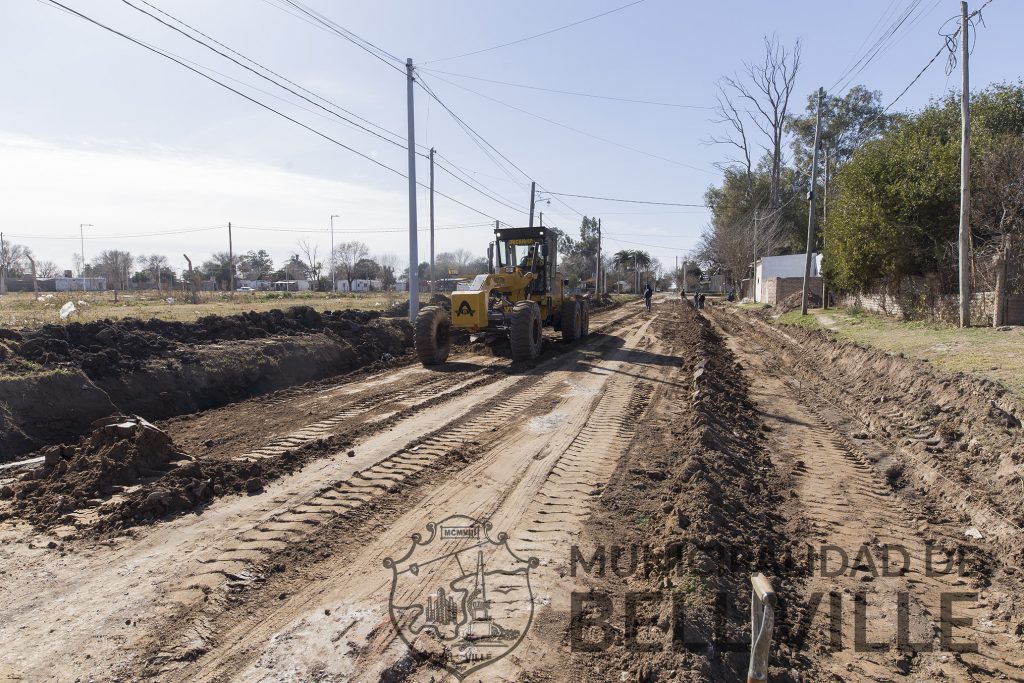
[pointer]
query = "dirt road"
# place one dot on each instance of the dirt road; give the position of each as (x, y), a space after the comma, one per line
(664, 431)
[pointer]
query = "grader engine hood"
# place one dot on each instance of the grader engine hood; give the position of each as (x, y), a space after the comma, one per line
(469, 309)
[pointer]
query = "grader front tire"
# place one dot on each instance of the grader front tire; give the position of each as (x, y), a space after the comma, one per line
(433, 335)
(571, 321)
(525, 335)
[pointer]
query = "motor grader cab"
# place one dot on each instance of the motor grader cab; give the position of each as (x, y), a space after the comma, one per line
(522, 292)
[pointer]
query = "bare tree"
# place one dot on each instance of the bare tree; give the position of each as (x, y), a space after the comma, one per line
(347, 255)
(47, 269)
(308, 251)
(12, 262)
(998, 202)
(388, 262)
(753, 106)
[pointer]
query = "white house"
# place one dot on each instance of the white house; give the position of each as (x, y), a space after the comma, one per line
(360, 285)
(792, 265)
(291, 286)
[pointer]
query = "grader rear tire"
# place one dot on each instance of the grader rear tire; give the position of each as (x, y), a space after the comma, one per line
(433, 335)
(524, 333)
(571, 321)
(585, 318)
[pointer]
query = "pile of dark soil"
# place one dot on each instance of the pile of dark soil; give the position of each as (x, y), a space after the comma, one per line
(401, 308)
(121, 451)
(795, 300)
(127, 457)
(107, 348)
(698, 492)
(161, 369)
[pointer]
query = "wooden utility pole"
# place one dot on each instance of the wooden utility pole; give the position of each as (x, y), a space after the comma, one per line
(810, 203)
(231, 262)
(533, 197)
(431, 220)
(414, 275)
(965, 171)
(597, 271)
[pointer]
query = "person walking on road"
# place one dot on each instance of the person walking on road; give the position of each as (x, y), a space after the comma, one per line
(647, 297)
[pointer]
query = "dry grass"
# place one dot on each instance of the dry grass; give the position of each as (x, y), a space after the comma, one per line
(21, 310)
(979, 351)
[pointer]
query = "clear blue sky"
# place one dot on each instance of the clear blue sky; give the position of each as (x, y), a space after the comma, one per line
(96, 130)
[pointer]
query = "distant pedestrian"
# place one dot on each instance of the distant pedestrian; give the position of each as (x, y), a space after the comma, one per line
(648, 293)
(696, 299)
(701, 302)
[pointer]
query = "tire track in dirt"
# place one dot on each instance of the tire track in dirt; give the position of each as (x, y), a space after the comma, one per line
(848, 505)
(537, 471)
(98, 594)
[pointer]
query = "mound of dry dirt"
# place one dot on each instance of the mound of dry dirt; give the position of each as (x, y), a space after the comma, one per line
(794, 301)
(106, 348)
(702, 496)
(160, 369)
(121, 451)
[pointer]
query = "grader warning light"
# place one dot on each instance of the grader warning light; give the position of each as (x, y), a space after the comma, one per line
(523, 293)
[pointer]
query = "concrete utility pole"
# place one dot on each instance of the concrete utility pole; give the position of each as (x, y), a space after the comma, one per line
(334, 268)
(824, 220)
(414, 280)
(597, 271)
(231, 262)
(810, 203)
(965, 171)
(81, 237)
(533, 197)
(431, 220)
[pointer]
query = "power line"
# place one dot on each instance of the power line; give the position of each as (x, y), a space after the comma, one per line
(92, 236)
(337, 29)
(264, 76)
(570, 92)
(627, 201)
(265, 68)
(872, 53)
(195, 70)
(575, 130)
(536, 35)
(466, 127)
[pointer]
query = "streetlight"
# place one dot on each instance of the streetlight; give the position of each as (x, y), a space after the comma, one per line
(81, 236)
(334, 276)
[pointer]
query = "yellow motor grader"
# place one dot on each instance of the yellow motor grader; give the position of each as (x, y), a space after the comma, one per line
(522, 293)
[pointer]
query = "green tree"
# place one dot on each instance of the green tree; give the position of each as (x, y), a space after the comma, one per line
(255, 265)
(896, 212)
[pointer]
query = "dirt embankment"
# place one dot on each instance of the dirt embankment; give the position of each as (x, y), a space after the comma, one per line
(699, 496)
(950, 437)
(57, 379)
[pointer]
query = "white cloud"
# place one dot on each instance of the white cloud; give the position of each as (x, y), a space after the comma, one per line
(51, 188)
